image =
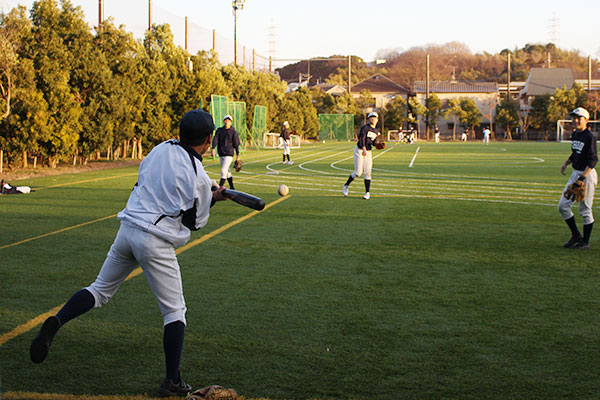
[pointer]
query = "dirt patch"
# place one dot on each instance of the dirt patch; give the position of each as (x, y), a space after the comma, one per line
(20, 174)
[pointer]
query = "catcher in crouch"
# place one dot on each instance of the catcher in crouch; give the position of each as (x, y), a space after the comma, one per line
(363, 160)
(582, 183)
(227, 140)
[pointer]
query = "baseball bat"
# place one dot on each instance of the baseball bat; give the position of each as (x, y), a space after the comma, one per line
(245, 199)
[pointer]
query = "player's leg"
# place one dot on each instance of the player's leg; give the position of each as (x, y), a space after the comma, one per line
(368, 166)
(159, 262)
(226, 171)
(585, 210)
(118, 265)
(564, 208)
(358, 167)
(287, 145)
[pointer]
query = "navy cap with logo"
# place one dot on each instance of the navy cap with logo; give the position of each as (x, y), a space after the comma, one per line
(195, 127)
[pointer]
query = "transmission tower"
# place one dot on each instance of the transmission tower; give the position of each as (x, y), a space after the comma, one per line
(554, 29)
(272, 40)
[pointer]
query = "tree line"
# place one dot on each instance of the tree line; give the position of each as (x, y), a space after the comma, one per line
(68, 92)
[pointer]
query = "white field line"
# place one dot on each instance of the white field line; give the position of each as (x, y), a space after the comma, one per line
(301, 166)
(413, 195)
(413, 159)
(436, 185)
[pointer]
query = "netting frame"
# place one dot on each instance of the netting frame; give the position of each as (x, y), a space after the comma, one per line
(560, 128)
(272, 140)
(344, 123)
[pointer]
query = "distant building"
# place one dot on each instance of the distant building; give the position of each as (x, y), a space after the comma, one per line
(485, 95)
(382, 88)
(334, 90)
(543, 82)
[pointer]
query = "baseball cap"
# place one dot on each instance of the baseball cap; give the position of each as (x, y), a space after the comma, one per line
(228, 117)
(286, 123)
(195, 127)
(580, 112)
(373, 114)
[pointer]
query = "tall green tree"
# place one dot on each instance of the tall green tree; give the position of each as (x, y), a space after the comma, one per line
(471, 115)
(53, 62)
(454, 111)
(395, 113)
(434, 110)
(564, 100)
(507, 115)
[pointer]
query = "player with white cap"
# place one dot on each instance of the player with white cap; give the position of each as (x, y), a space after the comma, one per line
(584, 158)
(227, 141)
(363, 160)
(285, 136)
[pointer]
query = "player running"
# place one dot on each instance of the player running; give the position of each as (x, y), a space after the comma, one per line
(227, 141)
(363, 160)
(584, 158)
(171, 198)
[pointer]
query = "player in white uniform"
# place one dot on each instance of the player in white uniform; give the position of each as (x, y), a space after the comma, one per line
(171, 198)
(486, 135)
(363, 160)
(583, 158)
(285, 137)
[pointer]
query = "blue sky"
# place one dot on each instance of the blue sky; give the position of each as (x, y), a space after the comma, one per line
(313, 28)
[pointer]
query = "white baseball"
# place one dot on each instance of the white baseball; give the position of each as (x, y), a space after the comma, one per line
(283, 190)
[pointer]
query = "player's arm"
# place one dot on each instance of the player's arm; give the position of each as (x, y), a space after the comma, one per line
(236, 144)
(566, 164)
(214, 143)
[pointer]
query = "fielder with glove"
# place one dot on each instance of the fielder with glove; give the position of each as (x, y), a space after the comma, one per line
(582, 182)
(227, 140)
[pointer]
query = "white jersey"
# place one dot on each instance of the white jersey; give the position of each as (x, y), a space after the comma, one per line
(172, 196)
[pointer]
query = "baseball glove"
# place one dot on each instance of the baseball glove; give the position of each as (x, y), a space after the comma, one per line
(576, 190)
(380, 145)
(237, 165)
(213, 392)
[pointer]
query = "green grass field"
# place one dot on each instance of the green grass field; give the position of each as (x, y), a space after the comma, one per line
(450, 283)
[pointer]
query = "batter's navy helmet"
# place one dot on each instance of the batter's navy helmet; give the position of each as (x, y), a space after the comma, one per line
(195, 127)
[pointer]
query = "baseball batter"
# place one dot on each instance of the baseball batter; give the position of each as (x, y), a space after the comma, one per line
(285, 137)
(583, 158)
(171, 198)
(226, 141)
(363, 160)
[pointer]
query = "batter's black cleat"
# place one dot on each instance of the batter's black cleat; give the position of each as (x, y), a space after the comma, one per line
(572, 242)
(168, 388)
(41, 343)
(581, 245)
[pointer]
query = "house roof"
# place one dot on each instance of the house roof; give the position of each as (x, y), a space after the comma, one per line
(542, 81)
(379, 84)
(456, 87)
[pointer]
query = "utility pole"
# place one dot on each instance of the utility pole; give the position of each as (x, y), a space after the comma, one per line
(508, 79)
(427, 100)
(214, 40)
(236, 5)
(186, 34)
(100, 15)
(149, 14)
(349, 74)
(589, 74)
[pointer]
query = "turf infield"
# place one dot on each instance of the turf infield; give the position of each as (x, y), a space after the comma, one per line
(449, 283)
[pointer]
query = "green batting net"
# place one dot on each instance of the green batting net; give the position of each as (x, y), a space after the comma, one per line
(218, 108)
(237, 110)
(259, 125)
(336, 126)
